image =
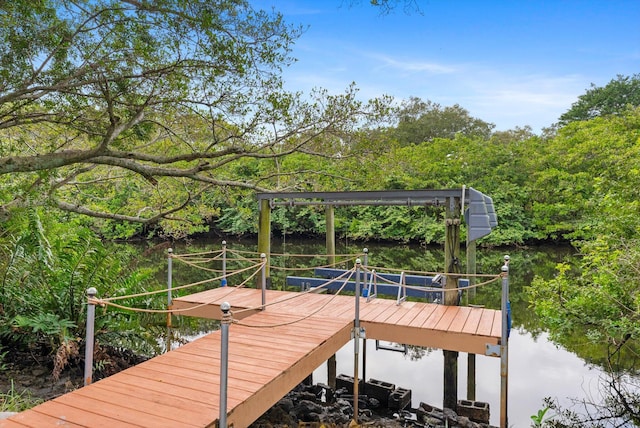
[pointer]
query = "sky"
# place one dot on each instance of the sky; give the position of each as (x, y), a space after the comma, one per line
(512, 63)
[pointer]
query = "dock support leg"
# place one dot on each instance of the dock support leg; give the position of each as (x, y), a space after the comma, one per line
(452, 266)
(471, 294)
(471, 377)
(330, 234)
(264, 237)
(331, 372)
(450, 379)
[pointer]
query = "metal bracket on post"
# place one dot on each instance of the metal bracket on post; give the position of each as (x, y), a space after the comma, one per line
(358, 333)
(492, 350)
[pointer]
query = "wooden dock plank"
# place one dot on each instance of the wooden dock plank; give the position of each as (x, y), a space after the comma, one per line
(389, 309)
(460, 320)
(410, 315)
(35, 420)
(496, 330)
(434, 318)
(425, 313)
(270, 352)
(485, 325)
(142, 416)
(80, 416)
(399, 312)
(471, 325)
(14, 424)
(144, 385)
(138, 404)
(373, 308)
(180, 404)
(447, 318)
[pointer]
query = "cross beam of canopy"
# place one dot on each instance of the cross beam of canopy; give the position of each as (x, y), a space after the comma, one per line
(378, 197)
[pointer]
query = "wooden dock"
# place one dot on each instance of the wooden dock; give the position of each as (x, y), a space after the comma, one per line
(453, 328)
(270, 352)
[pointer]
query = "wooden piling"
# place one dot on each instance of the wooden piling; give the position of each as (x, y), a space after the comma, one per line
(452, 265)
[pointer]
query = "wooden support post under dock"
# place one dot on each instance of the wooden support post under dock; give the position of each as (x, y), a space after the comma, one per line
(452, 265)
(264, 236)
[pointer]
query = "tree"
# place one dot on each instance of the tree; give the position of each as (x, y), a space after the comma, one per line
(613, 98)
(100, 101)
(592, 171)
(420, 121)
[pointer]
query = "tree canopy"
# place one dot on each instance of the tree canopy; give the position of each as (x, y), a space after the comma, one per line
(613, 98)
(420, 121)
(100, 101)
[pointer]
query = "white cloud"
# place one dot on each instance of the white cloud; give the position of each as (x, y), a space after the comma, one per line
(412, 66)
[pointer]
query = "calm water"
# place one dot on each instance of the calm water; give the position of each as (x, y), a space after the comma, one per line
(537, 367)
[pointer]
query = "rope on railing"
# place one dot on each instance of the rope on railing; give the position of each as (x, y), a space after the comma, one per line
(205, 281)
(321, 307)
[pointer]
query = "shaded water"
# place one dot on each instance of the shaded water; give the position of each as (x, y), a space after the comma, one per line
(537, 368)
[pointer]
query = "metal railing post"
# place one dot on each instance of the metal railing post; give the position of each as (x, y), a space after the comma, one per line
(89, 339)
(169, 284)
(365, 293)
(504, 345)
(223, 282)
(356, 343)
(225, 307)
(263, 279)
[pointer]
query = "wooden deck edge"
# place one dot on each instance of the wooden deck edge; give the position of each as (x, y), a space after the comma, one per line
(441, 339)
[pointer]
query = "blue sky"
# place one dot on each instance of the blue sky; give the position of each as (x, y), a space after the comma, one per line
(512, 63)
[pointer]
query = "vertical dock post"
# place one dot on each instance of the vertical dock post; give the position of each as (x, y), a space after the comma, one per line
(504, 345)
(263, 279)
(330, 234)
(356, 344)
(452, 265)
(223, 282)
(89, 338)
(471, 292)
(264, 233)
(364, 339)
(225, 307)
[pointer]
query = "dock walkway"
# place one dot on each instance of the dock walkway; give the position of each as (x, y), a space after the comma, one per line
(270, 352)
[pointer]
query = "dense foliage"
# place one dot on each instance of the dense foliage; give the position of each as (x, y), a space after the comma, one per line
(133, 112)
